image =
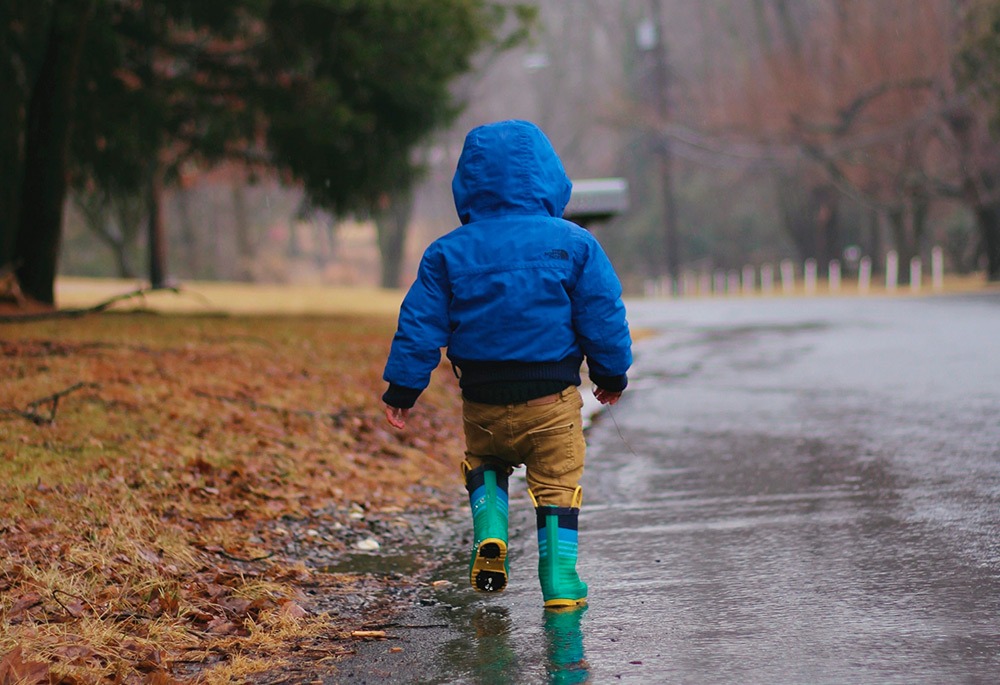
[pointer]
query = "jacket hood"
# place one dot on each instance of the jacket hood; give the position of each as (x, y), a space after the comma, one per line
(509, 167)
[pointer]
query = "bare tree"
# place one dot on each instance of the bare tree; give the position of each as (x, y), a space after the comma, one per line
(116, 220)
(865, 111)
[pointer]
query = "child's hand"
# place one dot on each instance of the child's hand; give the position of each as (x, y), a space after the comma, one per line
(606, 396)
(396, 416)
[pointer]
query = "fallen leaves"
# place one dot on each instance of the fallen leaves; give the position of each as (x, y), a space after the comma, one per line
(155, 521)
(17, 610)
(14, 670)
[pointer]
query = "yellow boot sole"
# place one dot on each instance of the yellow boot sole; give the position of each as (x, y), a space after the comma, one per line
(565, 603)
(489, 572)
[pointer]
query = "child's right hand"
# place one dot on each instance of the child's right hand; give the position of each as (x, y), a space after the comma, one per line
(396, 416)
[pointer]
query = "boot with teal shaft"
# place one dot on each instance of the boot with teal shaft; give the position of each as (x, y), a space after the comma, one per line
(487, 486)
(557, 552)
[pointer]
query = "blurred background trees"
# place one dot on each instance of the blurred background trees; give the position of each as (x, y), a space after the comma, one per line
(752, 131)
(315, 139)
(862, 103)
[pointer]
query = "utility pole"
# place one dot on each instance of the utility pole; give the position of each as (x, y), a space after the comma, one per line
(656, 44)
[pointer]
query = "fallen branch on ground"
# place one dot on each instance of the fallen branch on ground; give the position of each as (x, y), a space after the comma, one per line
(74, 313)
(32, 414)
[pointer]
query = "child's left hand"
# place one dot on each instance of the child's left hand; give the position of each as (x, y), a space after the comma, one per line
(396, 416)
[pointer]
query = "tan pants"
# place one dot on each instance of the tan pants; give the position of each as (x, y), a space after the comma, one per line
(546, 435)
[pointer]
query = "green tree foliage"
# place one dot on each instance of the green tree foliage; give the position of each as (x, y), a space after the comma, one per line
(336, 92)
(358, 84)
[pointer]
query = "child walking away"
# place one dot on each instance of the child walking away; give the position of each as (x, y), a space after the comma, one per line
(520, 297)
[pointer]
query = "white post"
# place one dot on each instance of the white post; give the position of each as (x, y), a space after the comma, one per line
(834, 282)
(809, 276)
(749, 280)
(705, 283)
(916, 272)
(891, 271)
(787, 276)
(937, 269)
(733, 284)
(720, 282)
(690, 284)
(767, 279)
(864, 275)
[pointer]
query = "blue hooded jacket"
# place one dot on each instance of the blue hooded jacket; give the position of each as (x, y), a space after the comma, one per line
(517, 293)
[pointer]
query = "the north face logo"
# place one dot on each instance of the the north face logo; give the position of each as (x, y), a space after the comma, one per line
(557, 254)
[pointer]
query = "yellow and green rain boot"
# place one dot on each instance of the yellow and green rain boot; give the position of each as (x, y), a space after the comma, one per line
(557, 552)
(489, 566)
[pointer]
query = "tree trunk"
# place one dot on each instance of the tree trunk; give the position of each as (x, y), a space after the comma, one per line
(794, 213)
(921, 209)
(95, 210)
(327, 227)
(671, 260)
(189, 236)
(11, 160)
(872, 243)
(244, 241)
(391, 223)
(156, 232)
(129, 212)
(46, 151)
(827, 241)
(988, 221)
(903, 241)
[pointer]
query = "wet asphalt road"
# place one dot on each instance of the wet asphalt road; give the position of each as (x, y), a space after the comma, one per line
(791, 491)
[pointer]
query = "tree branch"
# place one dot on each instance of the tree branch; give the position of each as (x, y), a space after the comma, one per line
(850, 112)
(76, 313)
(32, 414)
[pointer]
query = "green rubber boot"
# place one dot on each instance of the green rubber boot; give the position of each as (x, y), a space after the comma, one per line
(489, 566)
(557, 552)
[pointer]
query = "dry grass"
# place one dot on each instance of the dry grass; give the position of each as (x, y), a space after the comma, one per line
(144, 532)
(204, 297)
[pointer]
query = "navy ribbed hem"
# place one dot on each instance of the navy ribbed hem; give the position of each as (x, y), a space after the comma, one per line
(477, 372)
(610, 383)
(511, 392)
(401, 397)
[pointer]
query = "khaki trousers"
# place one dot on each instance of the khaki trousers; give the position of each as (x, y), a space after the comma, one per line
(545, 434)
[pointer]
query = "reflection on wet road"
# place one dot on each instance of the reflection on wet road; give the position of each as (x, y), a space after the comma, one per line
(791, 491)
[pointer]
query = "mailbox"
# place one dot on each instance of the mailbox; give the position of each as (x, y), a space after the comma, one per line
(596, 199)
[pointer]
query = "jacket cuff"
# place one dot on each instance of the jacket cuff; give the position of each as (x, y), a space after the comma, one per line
(610, 383)
(400, 397)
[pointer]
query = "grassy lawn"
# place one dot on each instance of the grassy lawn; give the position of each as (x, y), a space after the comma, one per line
(157, 472)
